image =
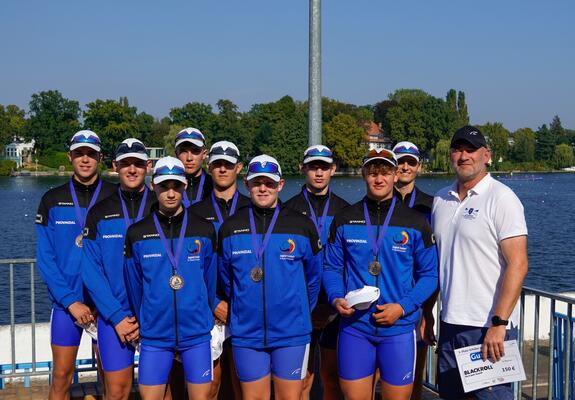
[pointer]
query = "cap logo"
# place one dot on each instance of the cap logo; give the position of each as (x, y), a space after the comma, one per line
(263, 163)
(473, 133)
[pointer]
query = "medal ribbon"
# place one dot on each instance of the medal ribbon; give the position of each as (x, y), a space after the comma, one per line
(412, 199)
(140, 214)
(186, 199)
(173, 260)
(81, 219)
(259, 251)
(217, 208)
(376, 245)
(319, 223)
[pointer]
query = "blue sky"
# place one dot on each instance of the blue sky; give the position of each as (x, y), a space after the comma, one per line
(514, 59)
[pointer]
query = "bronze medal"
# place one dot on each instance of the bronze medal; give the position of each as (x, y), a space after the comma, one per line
(374, 268)
(176, 282)
(78, 240)
(256, 274)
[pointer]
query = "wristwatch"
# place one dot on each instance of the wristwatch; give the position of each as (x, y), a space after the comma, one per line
(497, 321)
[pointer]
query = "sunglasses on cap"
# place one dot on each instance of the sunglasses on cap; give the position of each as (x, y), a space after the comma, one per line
(91, 139)
(190, 135)
(406, 150)
(259, 167)
(220, 151)
(316, 152)
(136, 147)
(165, 170)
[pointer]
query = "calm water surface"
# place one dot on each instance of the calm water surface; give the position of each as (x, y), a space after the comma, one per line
(549, 208)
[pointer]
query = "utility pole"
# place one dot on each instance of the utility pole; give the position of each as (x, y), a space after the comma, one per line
(314, 95)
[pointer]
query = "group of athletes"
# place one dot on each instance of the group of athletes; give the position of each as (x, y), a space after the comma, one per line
(207, 283)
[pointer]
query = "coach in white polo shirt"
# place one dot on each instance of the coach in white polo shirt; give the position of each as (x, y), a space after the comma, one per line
(481, 236)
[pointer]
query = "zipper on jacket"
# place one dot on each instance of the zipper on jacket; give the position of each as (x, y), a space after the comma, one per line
(174, 290)
(264, 283)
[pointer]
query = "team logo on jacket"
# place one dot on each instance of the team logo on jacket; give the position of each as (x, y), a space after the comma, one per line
(194, 250)
(401, 238)
(287, 249)
(400, 241)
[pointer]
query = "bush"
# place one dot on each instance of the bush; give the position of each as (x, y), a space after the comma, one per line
(54, 159)
(6, 167)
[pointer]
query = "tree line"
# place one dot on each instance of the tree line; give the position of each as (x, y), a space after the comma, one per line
(280, 128)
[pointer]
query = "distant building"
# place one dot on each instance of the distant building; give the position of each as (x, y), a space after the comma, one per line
(19, 151)
(375, 137)
(155, 153)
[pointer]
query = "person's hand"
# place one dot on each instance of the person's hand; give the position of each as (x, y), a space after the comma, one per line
(221, 312)
(387, 314)
(134, 336)
(125, 329)
(492, 346)
(81, 313)
(342, 307)
(426, 329)
(320, 316)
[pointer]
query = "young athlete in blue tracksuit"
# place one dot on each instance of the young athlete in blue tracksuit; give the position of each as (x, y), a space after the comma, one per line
(59, 227)
(382, 243)
(103, 264)
(270, 268)
(170, 273)
(318, 203)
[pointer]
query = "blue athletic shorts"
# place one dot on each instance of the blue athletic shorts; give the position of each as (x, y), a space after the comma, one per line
(114, 355)
(358, 354)
(155, 364)
(283, 362)
(453, 337)
(63, 330)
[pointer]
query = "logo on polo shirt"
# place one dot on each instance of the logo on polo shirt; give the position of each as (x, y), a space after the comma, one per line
(470, 213)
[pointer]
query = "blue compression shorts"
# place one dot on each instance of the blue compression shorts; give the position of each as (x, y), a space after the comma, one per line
(156, 363)
(358, 354)
(283, 362)
(63, 330)
(114, 355)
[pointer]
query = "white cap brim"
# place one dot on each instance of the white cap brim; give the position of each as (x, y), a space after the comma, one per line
(362, 298)
(141, 156)
(400, 155)
(217, 157)
(90, 145)
(273, 177)
(380, 158)
(162, 178)
(328, 160)
(195, 142)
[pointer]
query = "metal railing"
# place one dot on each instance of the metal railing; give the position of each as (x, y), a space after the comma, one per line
(557, 375)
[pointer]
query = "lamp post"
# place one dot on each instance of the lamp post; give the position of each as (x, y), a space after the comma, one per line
(314, 95)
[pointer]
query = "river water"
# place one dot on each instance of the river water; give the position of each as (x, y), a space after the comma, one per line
(549, 208)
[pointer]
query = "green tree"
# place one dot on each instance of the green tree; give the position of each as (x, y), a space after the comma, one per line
(228, 126)
(462, 109)
(332, 108)
(158, 131)
(451, 100)
(53, 120)
(545, 143)
(343, 135)
(195, 115)
(524, 147)
(113, 121)
(170, 139)
(563, 156)
(440, 156)
(12, 124)
(498, 140)
(558, 132)
(380, 110)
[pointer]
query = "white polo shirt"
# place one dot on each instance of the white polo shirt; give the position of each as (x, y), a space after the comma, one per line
(471, 265)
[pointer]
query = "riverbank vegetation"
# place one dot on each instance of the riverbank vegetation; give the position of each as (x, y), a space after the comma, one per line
(279, 128)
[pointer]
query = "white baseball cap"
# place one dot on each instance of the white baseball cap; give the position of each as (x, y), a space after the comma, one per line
(318, 153)
(361, 299)
(85, 138)
(406, 149)
(169, 168)
(264, 165)
(191, 135)
(224, 150)
(131, 148)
